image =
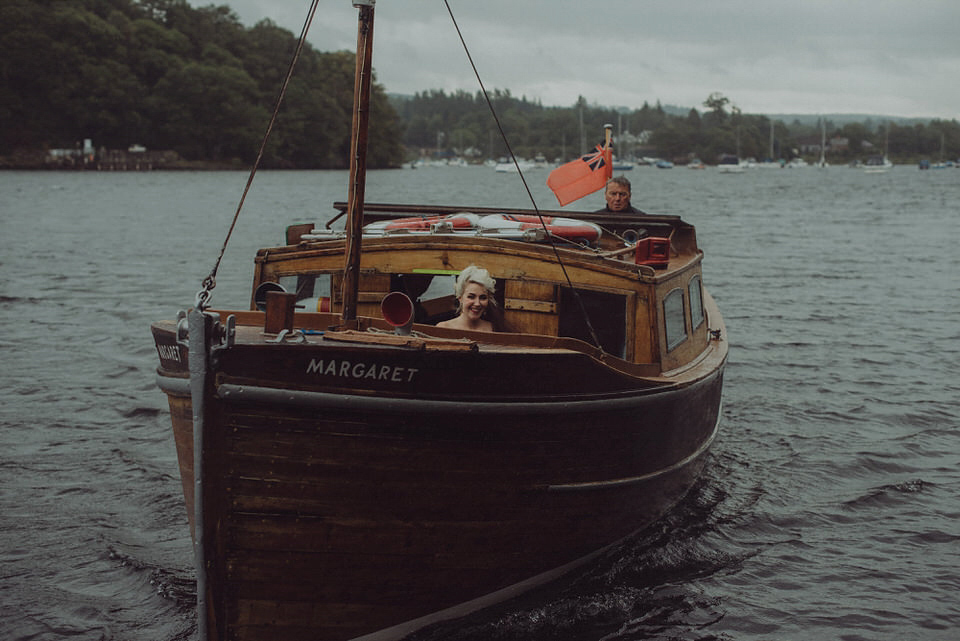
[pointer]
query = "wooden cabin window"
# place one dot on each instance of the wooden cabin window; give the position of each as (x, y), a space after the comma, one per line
(607, 313)
(696, 303)
(674, 318)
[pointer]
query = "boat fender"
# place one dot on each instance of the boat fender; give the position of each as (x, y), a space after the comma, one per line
(463, 221)
(571, 229)
(534, 235)
(397, 309)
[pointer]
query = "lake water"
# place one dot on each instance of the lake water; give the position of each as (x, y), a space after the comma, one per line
(830, 508)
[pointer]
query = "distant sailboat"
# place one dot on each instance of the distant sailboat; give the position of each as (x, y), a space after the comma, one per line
(771, 163)
(880, 164)
(942, 164)
(729, 164)
(823, 144)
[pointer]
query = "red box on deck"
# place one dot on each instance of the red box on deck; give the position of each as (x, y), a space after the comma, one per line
(652, 251)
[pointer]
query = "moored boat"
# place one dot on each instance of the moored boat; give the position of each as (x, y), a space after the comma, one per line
(880, 164)
(510, 167)
(352, 470)
(877, 165)
(730, 164)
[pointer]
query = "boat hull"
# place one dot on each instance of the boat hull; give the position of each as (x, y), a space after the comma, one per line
(344, 505)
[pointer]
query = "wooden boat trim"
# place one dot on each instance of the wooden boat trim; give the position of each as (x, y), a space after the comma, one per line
(176, 386)
(249, 323)
(375, 212)
(573, 256)
(633, 480)
(437, 338)
(307, 399)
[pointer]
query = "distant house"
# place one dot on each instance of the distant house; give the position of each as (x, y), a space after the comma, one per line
(626, 138)
(135, 158)
(809, 145)
(838, 144)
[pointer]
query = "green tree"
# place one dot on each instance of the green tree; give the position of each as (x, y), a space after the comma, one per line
(209, 111)
(716, 103)
(162, 73)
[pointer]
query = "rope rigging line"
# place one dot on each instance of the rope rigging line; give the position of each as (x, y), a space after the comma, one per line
(204, 295)
(533, 202)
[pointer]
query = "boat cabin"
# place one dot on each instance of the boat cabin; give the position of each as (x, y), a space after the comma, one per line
(639, 284)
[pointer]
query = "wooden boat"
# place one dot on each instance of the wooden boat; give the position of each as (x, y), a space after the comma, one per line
(361, 473)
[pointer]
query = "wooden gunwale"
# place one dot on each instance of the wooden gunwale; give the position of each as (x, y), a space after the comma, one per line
(477, 244)
(386, 211)
(250, 324)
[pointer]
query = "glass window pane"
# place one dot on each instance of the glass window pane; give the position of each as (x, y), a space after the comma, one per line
(674, 318)
(696, 303)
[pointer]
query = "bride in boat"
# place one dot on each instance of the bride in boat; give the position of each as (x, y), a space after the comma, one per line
(477, 308)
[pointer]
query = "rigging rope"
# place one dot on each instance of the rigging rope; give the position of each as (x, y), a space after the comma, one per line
(204, 295)
(533, 202)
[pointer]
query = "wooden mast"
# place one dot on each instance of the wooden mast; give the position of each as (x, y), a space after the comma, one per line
(358, 157)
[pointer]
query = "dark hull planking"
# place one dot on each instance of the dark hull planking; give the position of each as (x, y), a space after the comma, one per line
(332, 514)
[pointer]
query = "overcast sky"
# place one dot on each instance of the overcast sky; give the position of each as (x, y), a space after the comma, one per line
(882, 57)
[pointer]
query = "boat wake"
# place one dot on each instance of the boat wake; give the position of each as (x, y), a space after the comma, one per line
(645, 588)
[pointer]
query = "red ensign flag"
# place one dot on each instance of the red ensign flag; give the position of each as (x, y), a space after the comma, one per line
(582, 176)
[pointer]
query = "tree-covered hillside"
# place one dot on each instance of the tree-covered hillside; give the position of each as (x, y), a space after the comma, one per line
(461, 124)
(165, 75)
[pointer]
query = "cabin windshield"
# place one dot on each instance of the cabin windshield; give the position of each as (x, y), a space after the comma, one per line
(537, 308)
(432, 294)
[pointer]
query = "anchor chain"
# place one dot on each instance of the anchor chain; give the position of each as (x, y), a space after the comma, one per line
(203, 297)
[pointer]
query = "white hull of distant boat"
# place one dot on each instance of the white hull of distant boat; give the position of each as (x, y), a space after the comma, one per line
(727, 167)
(510, 167)
(877, 166)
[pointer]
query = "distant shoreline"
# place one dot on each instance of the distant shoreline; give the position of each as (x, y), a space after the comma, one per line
(126, 161)
(42, 160)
